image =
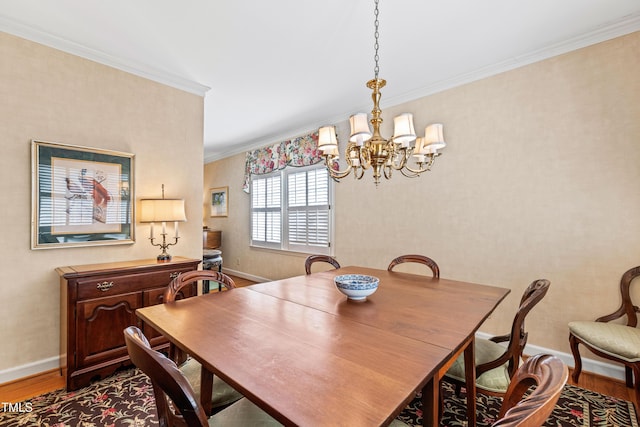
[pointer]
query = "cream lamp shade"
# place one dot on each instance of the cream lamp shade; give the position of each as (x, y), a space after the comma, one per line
(360, 131)
(327, 140)
(162, 210)
(434, 137)
(403, 131)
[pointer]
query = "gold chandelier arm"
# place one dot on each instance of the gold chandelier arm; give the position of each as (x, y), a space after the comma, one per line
(409, 175)
(402, 153)
(421, 169)
(357, 159)
(364, 154)
(388, 170)
(336, 174)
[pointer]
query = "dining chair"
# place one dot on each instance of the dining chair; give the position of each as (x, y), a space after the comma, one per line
(319, 258)
(495, 363)
(549, 375)
(619, 342)
(421, 259)
(189, 277)
(176, 402)
(223, 393)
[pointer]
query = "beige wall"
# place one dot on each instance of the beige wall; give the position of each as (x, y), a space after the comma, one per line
(540, 179)
(46, 94)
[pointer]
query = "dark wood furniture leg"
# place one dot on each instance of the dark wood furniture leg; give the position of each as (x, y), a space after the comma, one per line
(430, 403)
(470, 380)
(577, 360)
(206, 390)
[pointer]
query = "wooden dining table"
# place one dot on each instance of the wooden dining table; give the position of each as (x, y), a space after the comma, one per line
(304, 353)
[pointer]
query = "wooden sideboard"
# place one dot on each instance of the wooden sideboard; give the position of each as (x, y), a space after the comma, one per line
(98, 301)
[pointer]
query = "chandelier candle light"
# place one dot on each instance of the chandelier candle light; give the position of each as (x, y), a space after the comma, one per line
(369, 149)
(163, 210)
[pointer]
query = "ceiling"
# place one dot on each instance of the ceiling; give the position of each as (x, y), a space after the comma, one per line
(272, 70)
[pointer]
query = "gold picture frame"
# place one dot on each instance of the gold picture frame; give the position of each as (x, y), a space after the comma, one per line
(219, 202)
(81, 196)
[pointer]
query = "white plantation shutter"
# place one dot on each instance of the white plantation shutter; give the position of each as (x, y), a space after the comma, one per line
(308, 210)
(266, 211)
(291, 210)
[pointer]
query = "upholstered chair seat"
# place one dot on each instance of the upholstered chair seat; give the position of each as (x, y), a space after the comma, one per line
(243, 413)
(494, 380)
(223, 393)
(616, 340)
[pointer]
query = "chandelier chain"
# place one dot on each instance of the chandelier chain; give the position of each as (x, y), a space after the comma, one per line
(376, 45)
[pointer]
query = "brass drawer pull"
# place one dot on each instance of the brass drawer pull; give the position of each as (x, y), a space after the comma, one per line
(105, 286)
(173, 275)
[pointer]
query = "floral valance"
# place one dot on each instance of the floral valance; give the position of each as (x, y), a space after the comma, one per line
(300, 151)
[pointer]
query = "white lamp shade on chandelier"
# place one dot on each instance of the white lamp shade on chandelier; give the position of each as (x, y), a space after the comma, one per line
(403, 131)
(360, 131)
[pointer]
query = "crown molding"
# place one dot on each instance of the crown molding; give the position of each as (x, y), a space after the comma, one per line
(129, 66)
(627, 25)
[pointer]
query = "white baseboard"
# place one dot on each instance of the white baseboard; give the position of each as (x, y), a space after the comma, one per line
(245, 275)
(33, 368)
(588, 365)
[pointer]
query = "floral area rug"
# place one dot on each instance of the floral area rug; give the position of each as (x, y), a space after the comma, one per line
(123, 399)
(126, 399)
(576, 407)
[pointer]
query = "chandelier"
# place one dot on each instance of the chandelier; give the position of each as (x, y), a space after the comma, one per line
(367, 149)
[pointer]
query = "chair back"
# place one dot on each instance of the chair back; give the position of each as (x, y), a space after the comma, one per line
(319, 258)
(167, 381)
(549, 375)
(627, 306)
(421, 259)
(518, 336)
(184, 279)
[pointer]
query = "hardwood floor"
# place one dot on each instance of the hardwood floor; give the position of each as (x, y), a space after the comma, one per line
(25, 388)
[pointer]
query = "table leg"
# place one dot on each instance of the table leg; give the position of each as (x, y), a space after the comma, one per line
(206, 390)
(430, 403)
(470, 381)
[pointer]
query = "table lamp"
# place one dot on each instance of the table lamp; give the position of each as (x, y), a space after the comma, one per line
(163, 210)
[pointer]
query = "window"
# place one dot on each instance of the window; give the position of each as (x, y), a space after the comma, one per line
(291, 210)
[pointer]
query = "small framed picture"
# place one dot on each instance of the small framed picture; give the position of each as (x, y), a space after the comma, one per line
(81, 196)
(219, 201)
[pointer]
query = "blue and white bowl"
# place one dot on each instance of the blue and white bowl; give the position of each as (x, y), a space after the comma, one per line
(356, 287)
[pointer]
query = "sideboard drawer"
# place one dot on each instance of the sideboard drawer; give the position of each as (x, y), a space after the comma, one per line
(101, 286)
